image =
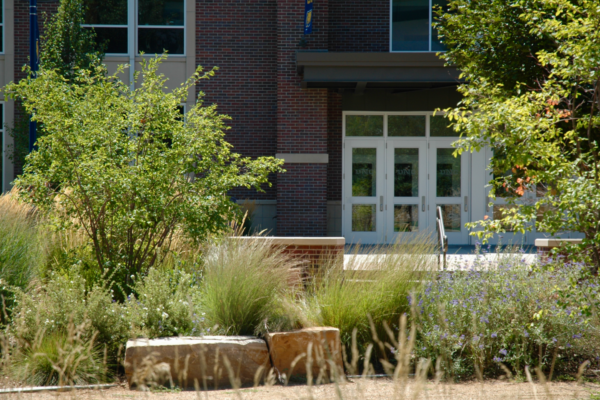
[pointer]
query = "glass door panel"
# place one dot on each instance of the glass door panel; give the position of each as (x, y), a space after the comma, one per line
(495, 208)
(535, 194)
(364, 191)
(406, 188)
(449, 189)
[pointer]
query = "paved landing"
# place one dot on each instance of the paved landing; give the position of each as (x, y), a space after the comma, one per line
(458, 257)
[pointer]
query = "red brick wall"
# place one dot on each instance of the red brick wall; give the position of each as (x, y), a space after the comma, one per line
(21, 26)
(334, 146)
(302, 200)
(240, 37)
(301, 124)
(314, 256)
(359, 25)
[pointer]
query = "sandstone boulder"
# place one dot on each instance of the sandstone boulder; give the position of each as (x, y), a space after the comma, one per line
(291, 356)
(207, 362)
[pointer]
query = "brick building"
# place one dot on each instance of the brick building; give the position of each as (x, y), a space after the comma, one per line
(349, 107)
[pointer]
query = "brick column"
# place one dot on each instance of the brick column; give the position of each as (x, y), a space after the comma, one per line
(301, 124)
(21, 38)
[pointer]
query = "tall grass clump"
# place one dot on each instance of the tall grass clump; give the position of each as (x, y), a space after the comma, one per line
(243, 284)
(61, 358)
(374, 286)
(21, 246)
(498, 317)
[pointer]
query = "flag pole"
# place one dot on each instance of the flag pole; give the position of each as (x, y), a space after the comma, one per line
(33, 61)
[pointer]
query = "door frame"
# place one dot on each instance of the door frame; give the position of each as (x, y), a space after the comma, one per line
(463, 201)
(388, 235)
(348, 200)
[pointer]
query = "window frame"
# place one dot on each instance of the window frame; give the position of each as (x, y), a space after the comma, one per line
(386, 115)
(430, 32)
(133, 26)
(2, 25)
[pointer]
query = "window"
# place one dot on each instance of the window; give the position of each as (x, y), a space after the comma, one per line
(109, 20)
(159, 26)
(399, 124)
(412, 25)
(1, 28)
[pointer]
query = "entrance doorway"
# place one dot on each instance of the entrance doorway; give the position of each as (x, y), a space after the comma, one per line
(398, 167)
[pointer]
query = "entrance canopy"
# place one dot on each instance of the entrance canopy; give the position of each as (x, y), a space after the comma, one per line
(361, 71)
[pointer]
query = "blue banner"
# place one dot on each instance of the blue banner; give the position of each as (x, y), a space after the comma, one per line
(34, 39)
(308, 16)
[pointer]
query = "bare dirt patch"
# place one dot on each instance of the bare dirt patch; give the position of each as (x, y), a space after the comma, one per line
(358, 389)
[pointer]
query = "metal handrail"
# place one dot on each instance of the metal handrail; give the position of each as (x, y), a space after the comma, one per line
(442, 238)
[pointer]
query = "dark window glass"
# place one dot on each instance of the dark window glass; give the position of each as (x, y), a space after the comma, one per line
(364, 218)
(160, 12)
(1, 117)
(406, 172)
(1, 38)
(364, 172)
(406, 125)
(435, 41)
(364, 125)
(410, 25)
(157, 40)
(106, 12)
(406, 218)
(451, 216)
(114, 39)
(447, 174)
(439, 127)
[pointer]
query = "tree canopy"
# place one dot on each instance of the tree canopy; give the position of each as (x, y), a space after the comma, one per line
(531, 92)
(127, 166)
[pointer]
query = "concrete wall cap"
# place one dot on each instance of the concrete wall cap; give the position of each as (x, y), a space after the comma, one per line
(190, 340)
(303, 158)
(299, 241)
(555, 242)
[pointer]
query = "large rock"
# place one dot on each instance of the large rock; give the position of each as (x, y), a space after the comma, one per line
(203, 362)
(290, 353)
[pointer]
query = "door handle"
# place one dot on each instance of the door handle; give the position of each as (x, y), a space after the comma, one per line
(380, 203)
(487, 203)
(423, 203)
(466, 203)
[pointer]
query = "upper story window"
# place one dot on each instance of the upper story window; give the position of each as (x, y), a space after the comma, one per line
(159, 25)
(411, 25)
(1, 30)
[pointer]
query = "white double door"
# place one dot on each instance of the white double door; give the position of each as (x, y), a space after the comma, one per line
(391, 187)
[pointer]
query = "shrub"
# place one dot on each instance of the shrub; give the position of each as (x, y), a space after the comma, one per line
(376, 285)
(504, 313)
(48, 308)
(165, 303)
(61, 358)
(243, 284)
(126, 168)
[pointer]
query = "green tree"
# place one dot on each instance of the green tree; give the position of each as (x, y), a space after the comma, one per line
(532, 93)
(126, 167)
(66, 46)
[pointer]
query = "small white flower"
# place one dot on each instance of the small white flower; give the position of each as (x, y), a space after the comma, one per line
(165, 315)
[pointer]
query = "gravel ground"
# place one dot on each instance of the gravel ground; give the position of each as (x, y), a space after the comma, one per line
(358, 389)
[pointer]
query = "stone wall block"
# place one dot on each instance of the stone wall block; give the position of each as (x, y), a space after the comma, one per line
(290, 353)
(198, 362)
